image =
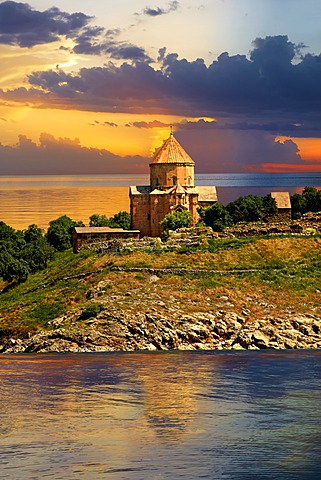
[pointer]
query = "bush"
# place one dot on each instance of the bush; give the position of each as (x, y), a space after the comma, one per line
(91, 311)
(175, 220)
(22, 252)
(245, 209)
(216, 217)
(97, 220)
(59, 233)
(119, 220)
(308, 201)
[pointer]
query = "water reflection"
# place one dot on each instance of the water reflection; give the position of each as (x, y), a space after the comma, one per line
(25, 200)
(235, 416)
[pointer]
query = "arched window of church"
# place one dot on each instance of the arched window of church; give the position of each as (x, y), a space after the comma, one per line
(189, 181)
(174, 180)
(157, 182)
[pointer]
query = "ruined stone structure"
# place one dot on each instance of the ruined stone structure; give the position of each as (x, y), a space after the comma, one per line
(171, 189)
(89, 237)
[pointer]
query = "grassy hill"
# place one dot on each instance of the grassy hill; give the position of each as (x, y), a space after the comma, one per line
(272, 273)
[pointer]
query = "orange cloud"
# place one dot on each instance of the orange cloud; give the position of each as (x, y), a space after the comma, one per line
(309, 149)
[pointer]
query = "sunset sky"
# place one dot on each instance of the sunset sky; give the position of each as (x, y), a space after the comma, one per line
(92, 86)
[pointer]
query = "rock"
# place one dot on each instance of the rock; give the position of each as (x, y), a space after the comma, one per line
(150, 346)
(152, 278)
(237, 346)
(91, 293)
(289, 344)
(260, 339)
(220, 328)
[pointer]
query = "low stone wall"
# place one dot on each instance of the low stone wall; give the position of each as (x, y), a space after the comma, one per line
(94, 239)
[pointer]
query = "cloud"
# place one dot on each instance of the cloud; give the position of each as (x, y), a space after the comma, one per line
(156, 11)
(25, 27)
(274, 89)
(153, 124)
(103, 124)
(213, 150)
(64, 156)
(233, 151)
(21, 25)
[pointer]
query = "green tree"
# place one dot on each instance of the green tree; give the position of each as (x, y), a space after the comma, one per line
(311, 199)
(97, 220)
(32, 234)
(59, 233)
(246, 209)
(269, 206)
(6, 231)
(121, 220)
(22, 252)
(297, 205)
(308, 201)
(37, 254)
(17, 271)
(175, 220)
(216, 216)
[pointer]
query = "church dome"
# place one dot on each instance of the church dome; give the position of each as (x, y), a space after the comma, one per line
(172, 152)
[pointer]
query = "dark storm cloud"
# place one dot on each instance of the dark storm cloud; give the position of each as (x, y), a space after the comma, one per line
(21, 25)
(275, 86)
(237, 150)
(128, 51)
(63, 156)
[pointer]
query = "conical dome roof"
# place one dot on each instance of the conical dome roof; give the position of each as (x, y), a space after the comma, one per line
(172, 152)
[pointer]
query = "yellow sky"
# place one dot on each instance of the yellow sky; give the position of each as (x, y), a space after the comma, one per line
(89, 127)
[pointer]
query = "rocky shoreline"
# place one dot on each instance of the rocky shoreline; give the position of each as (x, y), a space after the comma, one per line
(138, 317)
(222, 330)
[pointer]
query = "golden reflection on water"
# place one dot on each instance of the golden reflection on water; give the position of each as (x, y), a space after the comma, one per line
(25, 200)
(21, 208)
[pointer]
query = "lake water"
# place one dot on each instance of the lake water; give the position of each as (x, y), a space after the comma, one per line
(180, 415)
(38, 199)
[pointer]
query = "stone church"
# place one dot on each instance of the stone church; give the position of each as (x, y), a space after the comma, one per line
(171, 189)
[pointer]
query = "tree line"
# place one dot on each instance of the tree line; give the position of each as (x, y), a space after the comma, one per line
(249, 208)
(26, 251)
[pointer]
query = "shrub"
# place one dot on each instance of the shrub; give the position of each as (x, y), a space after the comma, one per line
(175, 220)
(97, 220)
(216, 217)
(308, 201)
(119, 220)
(59, 233)
(91, 311)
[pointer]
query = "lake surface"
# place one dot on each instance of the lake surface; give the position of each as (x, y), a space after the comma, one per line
(180, 415)
(25, 200)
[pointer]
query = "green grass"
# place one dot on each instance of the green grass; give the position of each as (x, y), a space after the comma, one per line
(287, 273)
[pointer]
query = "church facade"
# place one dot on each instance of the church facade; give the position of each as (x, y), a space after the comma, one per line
(172, 188)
